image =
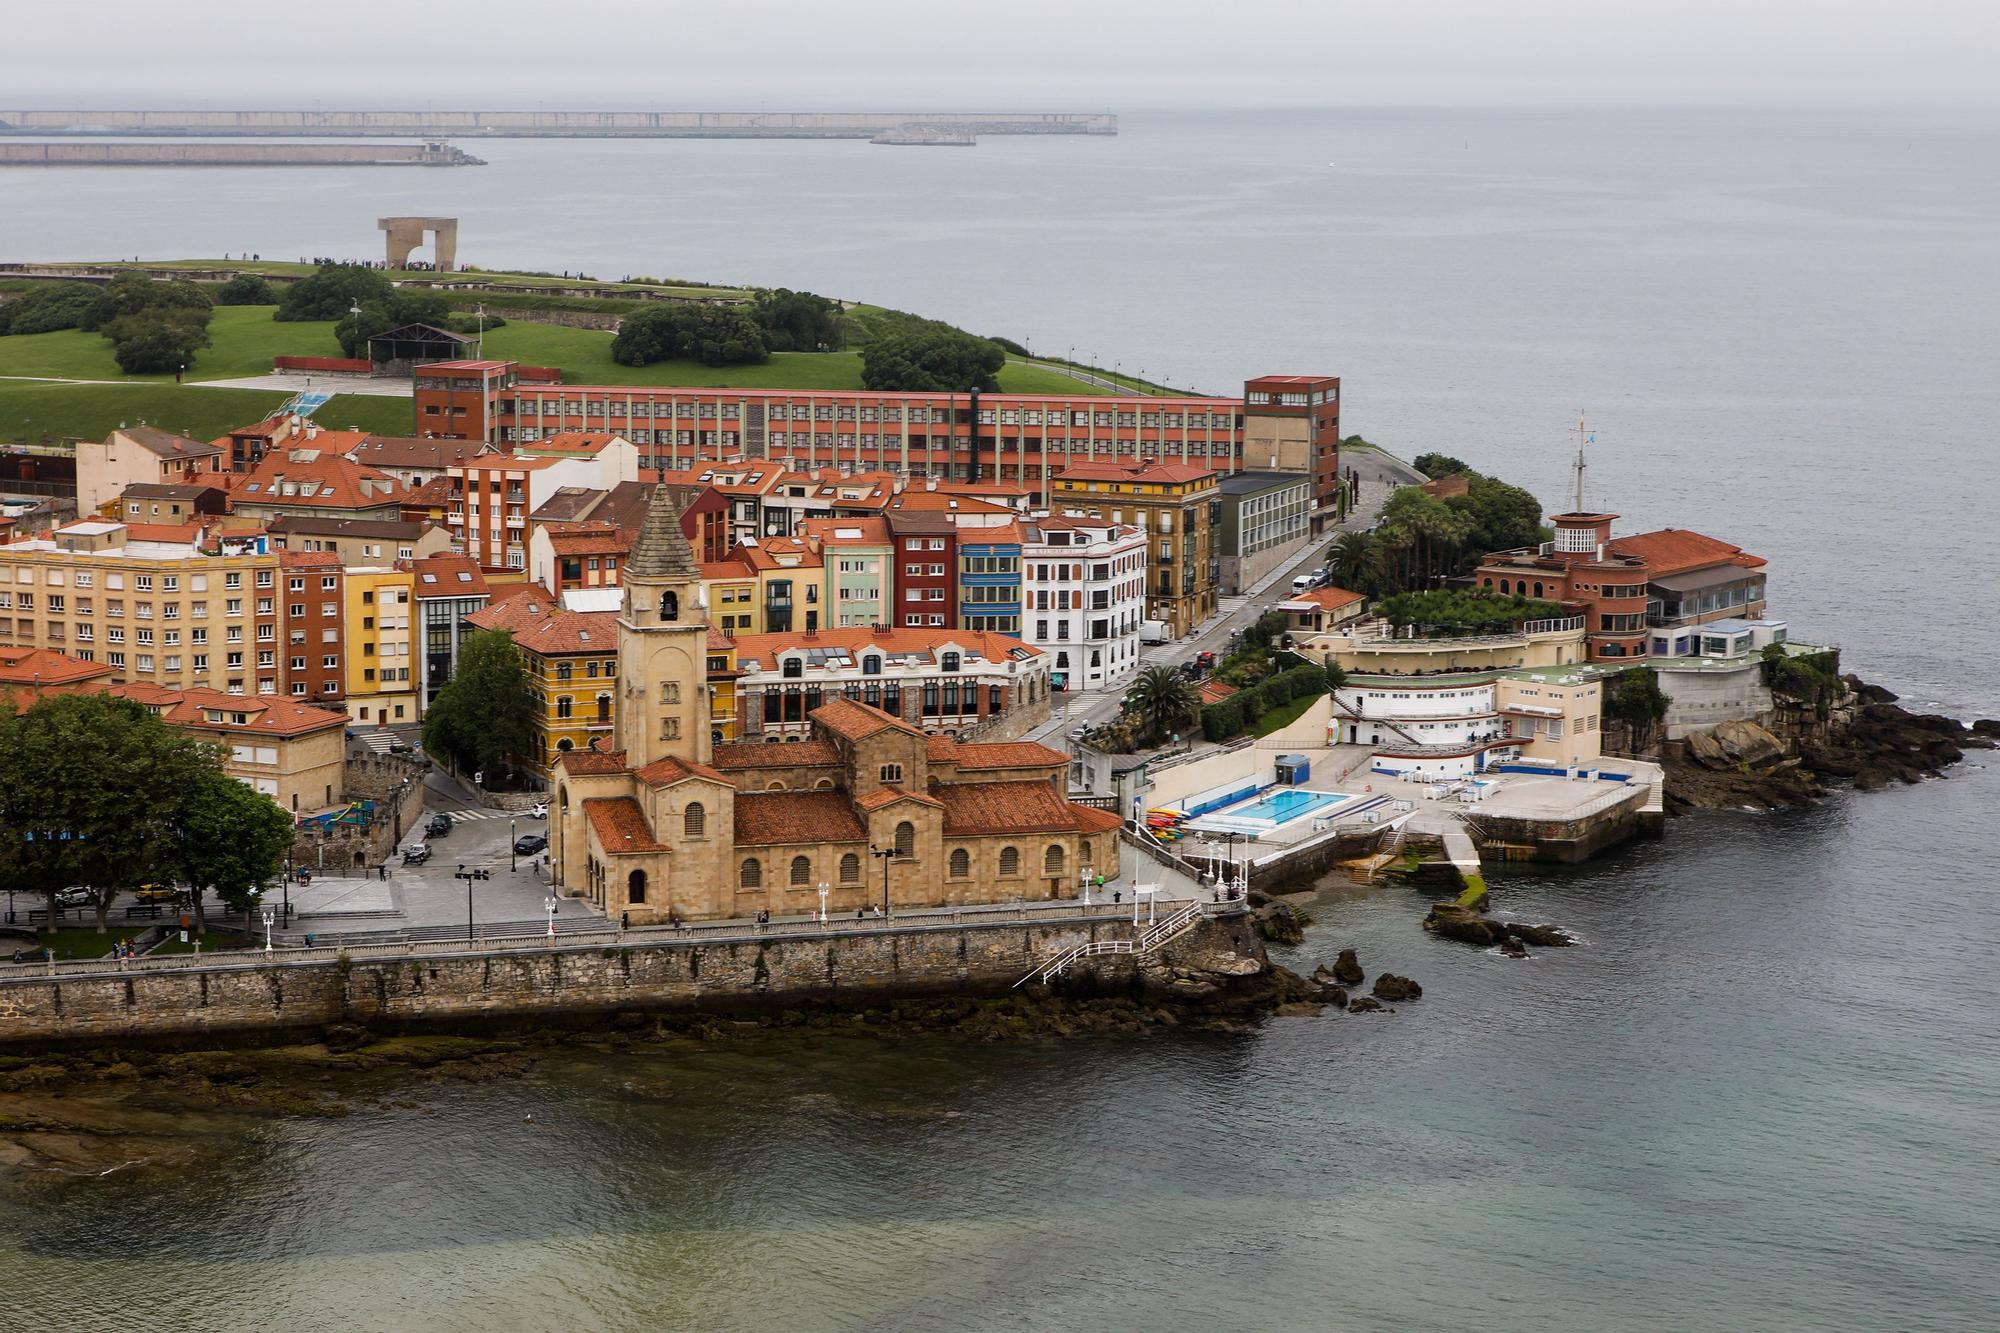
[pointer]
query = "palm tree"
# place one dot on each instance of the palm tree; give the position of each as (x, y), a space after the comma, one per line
(1164, 700)
(1357, 561)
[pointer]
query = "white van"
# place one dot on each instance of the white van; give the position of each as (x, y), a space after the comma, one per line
(1302, 583)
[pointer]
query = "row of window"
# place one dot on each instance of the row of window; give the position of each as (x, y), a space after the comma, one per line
(114, 580)
(800, 875)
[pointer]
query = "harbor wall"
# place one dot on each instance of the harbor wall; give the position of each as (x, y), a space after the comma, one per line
(857, 966)
(552, 124)
(20, 154)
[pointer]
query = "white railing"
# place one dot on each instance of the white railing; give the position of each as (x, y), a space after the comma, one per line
(1158, 934)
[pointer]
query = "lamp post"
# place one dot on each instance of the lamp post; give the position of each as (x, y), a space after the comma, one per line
(554, 902)
(884, 855)
(513, 856)
(824, 890)
(269, 917)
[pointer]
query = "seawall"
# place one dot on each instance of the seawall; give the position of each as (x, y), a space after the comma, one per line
(18, 154)
(429, 984)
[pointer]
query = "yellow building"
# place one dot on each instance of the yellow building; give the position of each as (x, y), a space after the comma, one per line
(150, 602)
(382, 679)
(571, 658)
(730, 589)
(1179, 506)
(723, 674)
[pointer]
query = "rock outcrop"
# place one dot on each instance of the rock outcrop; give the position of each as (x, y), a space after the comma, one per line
(1455, 921)
(1347, 968)
(1391, 988)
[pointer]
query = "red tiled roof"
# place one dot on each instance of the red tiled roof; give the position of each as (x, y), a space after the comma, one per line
(886, 796)
(943, 502)
(1676, 550)
(1141, 471)
(847, 531)
(174, 533)
(574, 442)
(853, 721)
(45, 666)
(665, 772)
(594, 632)
(972, 808)
(581, 762)
(337, 482)
(757, 754)
(587, 539)
(291, 559)
(1214, 691)
(620, 825)
(265, 715)
(1089, 819)
(445, 575)
(765, 818)
(1326, 599)
(415, 451)
(898, 642)
(994, 754)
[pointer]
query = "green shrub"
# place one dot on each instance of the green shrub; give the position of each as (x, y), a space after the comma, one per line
(246, 289)
(49, 307)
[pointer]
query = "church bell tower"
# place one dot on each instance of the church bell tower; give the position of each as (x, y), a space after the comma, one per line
(663, 644)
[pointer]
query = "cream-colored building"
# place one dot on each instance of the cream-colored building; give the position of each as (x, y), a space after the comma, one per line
(664, 823)
(292, 752)
(168, 613)
(1373, 647)
(104, 468)
(1455, 725)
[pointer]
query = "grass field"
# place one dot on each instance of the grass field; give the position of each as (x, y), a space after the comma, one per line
(244, 338)
(1283, 715)
(34, 410)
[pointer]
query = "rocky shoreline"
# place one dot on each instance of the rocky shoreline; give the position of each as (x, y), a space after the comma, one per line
(1867, 739)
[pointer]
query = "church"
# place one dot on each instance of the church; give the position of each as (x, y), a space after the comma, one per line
(664, 822)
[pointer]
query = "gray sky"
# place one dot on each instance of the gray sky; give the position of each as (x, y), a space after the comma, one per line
(1040, 54)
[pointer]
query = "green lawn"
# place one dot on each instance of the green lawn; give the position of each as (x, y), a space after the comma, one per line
(244, 339)
(32, 410)
(1283, 715)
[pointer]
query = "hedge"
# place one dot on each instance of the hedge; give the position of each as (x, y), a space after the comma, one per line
(1220, 721)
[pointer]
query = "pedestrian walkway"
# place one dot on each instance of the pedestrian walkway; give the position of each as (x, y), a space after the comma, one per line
(380, 741)
(475, 812)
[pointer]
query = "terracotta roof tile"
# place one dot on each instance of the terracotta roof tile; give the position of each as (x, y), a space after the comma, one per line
(886, 796)
(581, 762)
(1146, 471)
(853, 721)
(265, 715)
(765, 818)
(972, 808)
(1676, 550)
(994, 754)
(587, 539)
(45, 666)
(336, 482)
(665, 772)
(758, 754)
(446, 575)
(1089, 819)
(620, 825)
(1326, 599)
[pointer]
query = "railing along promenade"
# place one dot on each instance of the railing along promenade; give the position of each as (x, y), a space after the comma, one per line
(718, 932)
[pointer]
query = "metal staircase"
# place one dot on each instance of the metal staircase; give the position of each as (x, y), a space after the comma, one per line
(1156, 936)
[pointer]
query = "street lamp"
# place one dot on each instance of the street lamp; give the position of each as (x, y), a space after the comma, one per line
(554, 902)
(884, 855)
(513, 853)
(269, 917)
(824, 890)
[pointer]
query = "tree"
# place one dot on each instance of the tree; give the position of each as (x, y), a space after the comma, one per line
(932, 361)
(59, 305)
(1502, 517)
(246, 289)
(712, 334)
(90, 790)
(1441, 465)
(485, 712)
(798, 321)
(135, 294)
(1356, 562)
(1164, 699)
(330, 292)
(229, 839)
(156, 341)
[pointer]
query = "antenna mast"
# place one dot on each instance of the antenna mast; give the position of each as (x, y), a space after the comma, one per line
(1584, 435)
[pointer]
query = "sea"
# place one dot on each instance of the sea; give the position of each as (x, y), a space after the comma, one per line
(1764, 1094)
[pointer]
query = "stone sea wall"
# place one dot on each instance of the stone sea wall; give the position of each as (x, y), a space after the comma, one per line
(857, 966)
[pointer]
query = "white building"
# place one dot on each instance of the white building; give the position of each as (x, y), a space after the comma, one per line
(1083, 589)
(1454, 726)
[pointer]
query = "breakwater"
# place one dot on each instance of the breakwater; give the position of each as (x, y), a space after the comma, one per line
(419, 984)
(557, 124)
(233, 155)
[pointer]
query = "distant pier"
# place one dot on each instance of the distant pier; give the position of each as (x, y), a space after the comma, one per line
(552, 124)
(18, 154)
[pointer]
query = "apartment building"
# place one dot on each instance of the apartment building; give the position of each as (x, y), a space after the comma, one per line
(317, 480)
(571, 659)
(926, 578)
(858, 558)
(1178, 507)
(447, 589)
(164, 612)
(563, 557)
(415, 460)
(314, 626)
(382, 681)
(1084, 593)
(141, 454)
(496, 493)
(1266, 519)
(989, 579)
(1291, 423)
(359, 541)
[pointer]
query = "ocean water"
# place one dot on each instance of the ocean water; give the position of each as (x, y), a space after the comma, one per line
(1761, 1096)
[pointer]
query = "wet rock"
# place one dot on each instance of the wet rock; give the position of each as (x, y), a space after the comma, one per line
(1278, 923)
(1987, 726)
(1745, 744)
(1868, 694)
(1300, 1009)
(1513, 948)
(1391, 988)
(1461, 923)
(1347, 968)
(1337, 997)
(343, 1037)
(1546, 937)
(1365, 1004)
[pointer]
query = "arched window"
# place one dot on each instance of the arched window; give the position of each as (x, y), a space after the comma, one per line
(753, 874)
(775, 784)
(822, 784)
(562, 798)
(1052, 860)
(961, 863)
(1010, 861)
(670, 606)
(564, 707)
(892, 773)
(694, 821)
(1086, 853)
(906, 839)
(802, 871)
(794, 667)
(564, 745)
(1503, 587)
(635, 887)
(1538, 588)
(850, 869)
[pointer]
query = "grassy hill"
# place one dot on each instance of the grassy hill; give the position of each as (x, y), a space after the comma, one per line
(34, 410)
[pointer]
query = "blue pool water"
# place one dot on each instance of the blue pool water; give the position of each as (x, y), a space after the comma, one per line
(1280, 807)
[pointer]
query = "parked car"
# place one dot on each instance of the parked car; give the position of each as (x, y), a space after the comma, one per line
(1302, 583)
(438, 824)
(1205, 659)
(530, 843)
(156, 893)
(1321, 575)
(541, 810)
(416, 853)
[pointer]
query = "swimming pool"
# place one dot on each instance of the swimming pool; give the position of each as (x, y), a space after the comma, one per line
(1274, 810)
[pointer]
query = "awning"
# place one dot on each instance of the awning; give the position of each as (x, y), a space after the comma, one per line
(1713, 577)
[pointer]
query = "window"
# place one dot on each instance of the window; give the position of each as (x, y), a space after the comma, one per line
(1052, 860)
(635, 887)
(802, 871)
(850, 868)
(1010, 861)
(752, 874)
(694, 820)
(961, 863)
(892, 772)
(906, 840)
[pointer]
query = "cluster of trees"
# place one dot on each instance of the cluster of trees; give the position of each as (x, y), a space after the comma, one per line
(1421, 540)
(798, 321)
(246, 289)
(714, 335)
(47, 308)
(1471, 611)
(936, 360)
(97, 791)
(1635, 698)
(153, 327)
(485, 714)
(1220, 721)
(1162, 701)
(336, 291)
